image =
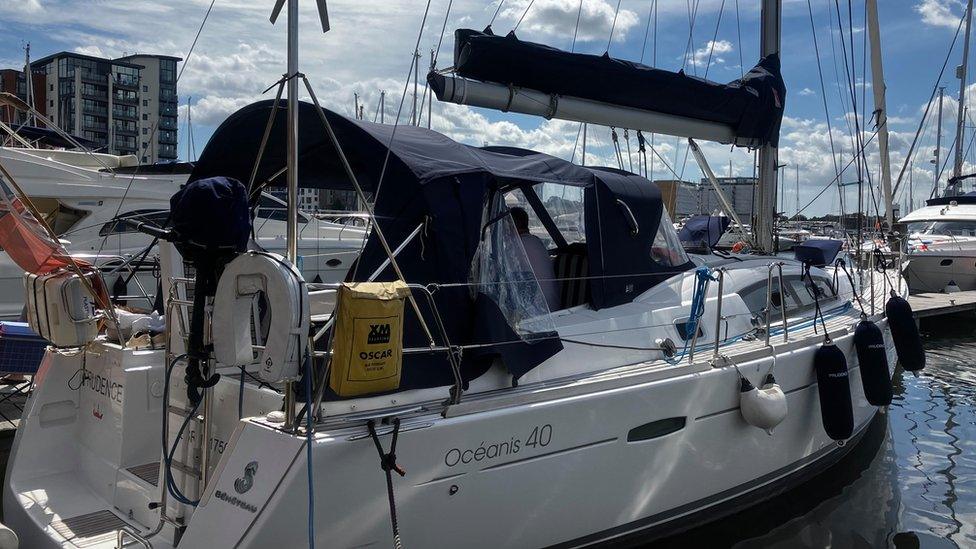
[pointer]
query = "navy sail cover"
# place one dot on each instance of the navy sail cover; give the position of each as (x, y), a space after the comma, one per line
(752, 105)
(447, 187)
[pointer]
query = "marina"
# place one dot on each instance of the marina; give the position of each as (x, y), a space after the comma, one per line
(562, 289)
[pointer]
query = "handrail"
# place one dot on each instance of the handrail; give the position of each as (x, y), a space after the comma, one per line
(778, 265)
(126, 531)
(718, 311)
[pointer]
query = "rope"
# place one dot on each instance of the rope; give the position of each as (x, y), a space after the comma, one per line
(823, 95)
(498, 9)
(524, 13)
(616, 147)
(388, 464)
(703, 275)
(579, 14)
(613, 25)
(840, 263)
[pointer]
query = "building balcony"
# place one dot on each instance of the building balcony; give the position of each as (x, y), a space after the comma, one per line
(167, 140)
(166, 125)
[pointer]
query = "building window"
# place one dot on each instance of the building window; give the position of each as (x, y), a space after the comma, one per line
(145, 131)
(145, 102)
(145, 145)
(50, 87)
(145, 116)
(51, 103)
(145, 88)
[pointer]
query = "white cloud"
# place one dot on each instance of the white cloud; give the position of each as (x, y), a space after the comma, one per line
(805, 92)
(557, 19)
(89, 50)
(938, 13)
(711, 53)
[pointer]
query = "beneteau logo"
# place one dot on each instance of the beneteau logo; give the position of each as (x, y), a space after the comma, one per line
(244, 483)
(235, 501)
(378, 333)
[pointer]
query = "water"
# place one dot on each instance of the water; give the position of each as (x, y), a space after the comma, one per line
(911, 483)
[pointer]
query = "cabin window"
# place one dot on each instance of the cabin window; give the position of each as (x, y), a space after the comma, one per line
(271, 208)
(946, 228)
(798, 298)
(59, 217)
(119, 225)
(666, 249)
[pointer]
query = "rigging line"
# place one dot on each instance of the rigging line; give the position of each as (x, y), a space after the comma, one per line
(689, 46)
(433, 63)
(613, 25)
(832, 181)
(403, 96)
(823, 95)
(833, 55)
(579, 131)
(396, 124)
(524, 13)
(928, 105)
(738, 33)
(647, 27)
(155, 126)
(711, 47)
(498, 9)
(579, 14)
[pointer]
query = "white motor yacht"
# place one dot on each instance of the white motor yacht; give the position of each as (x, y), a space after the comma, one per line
(87, 198)
(942, 245)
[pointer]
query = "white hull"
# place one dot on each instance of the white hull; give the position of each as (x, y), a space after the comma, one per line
(581, 481)
(933, 270)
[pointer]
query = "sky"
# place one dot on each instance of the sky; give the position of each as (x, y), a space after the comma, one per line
(239, 54)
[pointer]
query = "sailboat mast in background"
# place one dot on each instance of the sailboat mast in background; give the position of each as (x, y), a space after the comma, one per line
(960, 114)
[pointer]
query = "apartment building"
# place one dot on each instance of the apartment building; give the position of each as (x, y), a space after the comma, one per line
(114, 103)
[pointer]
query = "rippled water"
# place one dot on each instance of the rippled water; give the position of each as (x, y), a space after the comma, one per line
(910, 483)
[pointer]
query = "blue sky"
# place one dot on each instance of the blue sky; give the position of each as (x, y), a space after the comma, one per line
(239, 54)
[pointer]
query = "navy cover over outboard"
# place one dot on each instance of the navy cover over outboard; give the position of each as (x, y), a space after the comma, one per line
(210, 215)
(703, 231)
(834, 387)
(818, 252)
(752, 105)
(873, 361)
(904, 332)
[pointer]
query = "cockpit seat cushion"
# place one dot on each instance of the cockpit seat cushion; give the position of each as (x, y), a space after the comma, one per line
(572, 269)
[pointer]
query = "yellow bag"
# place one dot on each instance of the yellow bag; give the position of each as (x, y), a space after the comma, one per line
(368, 342)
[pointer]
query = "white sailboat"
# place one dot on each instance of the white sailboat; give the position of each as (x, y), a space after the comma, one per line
(629, 406)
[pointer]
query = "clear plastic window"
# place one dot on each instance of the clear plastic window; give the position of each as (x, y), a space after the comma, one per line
(564, 204)
(501, 270)
(666, 249)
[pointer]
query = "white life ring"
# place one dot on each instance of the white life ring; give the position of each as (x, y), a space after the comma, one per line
(287, 298)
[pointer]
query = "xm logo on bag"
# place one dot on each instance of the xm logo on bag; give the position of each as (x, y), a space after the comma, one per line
(378, 333)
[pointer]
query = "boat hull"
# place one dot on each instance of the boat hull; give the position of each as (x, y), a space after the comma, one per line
(617, 461)
(934, 270)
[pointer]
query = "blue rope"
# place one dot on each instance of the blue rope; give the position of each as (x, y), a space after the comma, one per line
(703, 275)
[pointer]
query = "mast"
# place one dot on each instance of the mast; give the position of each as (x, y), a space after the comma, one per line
(769, 45)
(29, 85)
(938, 145)
(961, 74)
(292, 226)
(880, 106)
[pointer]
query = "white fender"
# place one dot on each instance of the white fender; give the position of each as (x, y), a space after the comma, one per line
(287, 297)
(764, 408)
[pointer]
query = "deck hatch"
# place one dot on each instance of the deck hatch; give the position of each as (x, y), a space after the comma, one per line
(656, 429)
